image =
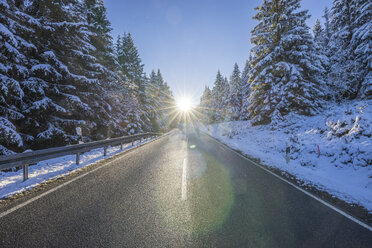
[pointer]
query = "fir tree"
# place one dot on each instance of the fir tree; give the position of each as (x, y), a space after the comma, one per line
(101, 28)
(246, 89)
(69, 75)
(321, 46)
(160, 102)
(12, 70)
(343, 72)
(220, 94)
(361, 45)
(235, 94)
(206, 106)
(318, 32)
(286, 73)
(327, 27)
(130, 63)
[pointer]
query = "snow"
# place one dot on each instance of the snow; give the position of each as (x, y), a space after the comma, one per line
(343, 133)
(5, 32)
(12, 182)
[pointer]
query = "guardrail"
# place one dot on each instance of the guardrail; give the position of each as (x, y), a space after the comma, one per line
(27, 158)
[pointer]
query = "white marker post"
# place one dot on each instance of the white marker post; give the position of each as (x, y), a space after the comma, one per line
(80, 134)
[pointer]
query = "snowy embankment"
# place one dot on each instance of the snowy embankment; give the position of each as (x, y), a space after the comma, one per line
(343, 134)
(12, 182)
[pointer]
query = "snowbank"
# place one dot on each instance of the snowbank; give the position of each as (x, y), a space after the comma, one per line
(343, 134)
(12, 182)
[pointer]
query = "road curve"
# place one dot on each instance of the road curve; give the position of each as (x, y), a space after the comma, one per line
(179, 191)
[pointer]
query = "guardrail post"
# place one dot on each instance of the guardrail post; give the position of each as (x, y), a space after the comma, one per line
(121, 146)
(78, 158)
(132, 142)
(105, 151)
(25, 172)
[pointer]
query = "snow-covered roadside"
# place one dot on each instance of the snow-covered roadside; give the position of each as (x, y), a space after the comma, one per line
(343, 134)
(12, 182)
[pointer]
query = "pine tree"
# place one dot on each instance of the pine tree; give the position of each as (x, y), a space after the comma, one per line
(12, 70)
(321, 46)
(205, 107)
(110, 76)
(130, 63)
(235, 94)
(69, 75)
(246, 89)
(165, 99)
(160, 102)
(361, 45)
(58, 70)
(327, 27)
(319, 35)
(286, 73)
(101, 28)
(131, 68)
(220, 93)
(343, 72)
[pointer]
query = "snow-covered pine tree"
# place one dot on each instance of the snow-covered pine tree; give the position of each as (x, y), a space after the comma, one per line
(12, 70)
(101, 38)
(235, 94)
(168, 105)
(110, 77)
(246, 89)
(130, 63)
(154, 104)
(351, 48)
(327, 27)
(321, 46)
(132, 68)
(361, 44)
(220, 93)
(165, 100)
(205, 107)
(319, 34)
(66, 75)
(286, 73)
(343, 73)
(160, 102)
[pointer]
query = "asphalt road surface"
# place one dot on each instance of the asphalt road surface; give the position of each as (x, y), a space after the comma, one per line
(179, 192)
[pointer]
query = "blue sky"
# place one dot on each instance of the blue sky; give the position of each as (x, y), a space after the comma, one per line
(189, 40)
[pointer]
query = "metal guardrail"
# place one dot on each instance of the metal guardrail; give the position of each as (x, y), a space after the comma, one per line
(27, 158)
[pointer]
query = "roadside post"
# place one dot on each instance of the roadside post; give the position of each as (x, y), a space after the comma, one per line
(80, 134)
(25, 172)
(287, 152)
(318, 151)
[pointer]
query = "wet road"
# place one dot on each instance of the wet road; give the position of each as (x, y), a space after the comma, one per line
(179, 191)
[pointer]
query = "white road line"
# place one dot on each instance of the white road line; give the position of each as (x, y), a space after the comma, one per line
(11, 210)
(184, 182)
(302, 190)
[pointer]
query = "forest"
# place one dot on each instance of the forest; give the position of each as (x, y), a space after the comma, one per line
(292, 69)
(61, 69)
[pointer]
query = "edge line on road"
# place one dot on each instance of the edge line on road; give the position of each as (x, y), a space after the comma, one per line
(295, 186)
(11, 210)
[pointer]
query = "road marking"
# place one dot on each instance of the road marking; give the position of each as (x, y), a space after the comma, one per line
(184, 182)
(300, 189)
(11, 210)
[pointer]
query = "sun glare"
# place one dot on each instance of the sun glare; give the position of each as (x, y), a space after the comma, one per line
(184, 104)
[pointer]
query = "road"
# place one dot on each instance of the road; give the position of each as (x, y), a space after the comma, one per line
(179, 192)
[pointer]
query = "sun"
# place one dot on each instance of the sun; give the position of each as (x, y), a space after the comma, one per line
(184, 104)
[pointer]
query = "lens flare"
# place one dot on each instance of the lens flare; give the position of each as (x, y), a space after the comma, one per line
(184, 104)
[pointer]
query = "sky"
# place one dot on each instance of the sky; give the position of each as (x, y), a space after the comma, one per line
(189, 40)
